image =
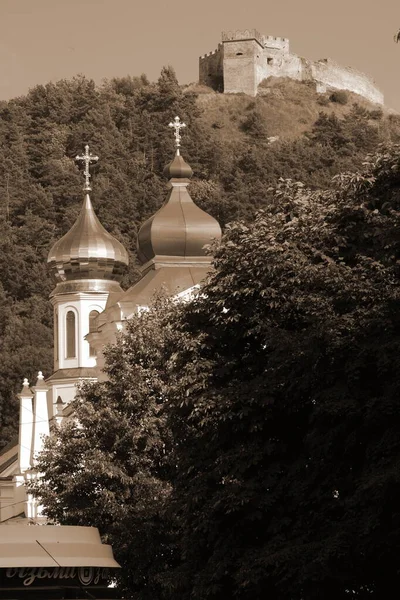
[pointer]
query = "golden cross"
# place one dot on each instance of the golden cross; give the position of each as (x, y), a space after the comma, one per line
(177, 125)
(87, 158)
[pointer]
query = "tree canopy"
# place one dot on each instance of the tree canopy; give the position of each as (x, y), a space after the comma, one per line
(247, 442)
(125, 122)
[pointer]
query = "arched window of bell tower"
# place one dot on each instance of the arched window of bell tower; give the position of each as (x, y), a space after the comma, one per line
(70, 331)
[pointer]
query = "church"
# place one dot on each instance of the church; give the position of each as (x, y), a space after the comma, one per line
(90, 308)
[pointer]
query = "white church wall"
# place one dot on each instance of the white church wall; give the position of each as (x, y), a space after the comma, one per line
(81, 305)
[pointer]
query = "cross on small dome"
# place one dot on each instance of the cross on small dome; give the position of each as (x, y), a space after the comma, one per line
(177, 125)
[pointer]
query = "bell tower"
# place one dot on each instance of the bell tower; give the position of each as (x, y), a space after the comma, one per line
(88, 264)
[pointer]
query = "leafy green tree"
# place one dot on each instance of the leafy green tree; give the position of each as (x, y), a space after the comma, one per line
(251, 436)
(118, 439)
(286, 418)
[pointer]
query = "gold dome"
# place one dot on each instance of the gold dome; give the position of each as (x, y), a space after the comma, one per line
(87, 251)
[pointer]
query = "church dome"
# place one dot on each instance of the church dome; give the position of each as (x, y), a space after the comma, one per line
(178, 169)
(87, 251)
(179, 230)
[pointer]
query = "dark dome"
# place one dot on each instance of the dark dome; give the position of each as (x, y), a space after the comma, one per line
(178, 169)
(179, 229)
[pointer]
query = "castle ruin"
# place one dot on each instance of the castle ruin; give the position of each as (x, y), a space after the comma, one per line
(245, 58)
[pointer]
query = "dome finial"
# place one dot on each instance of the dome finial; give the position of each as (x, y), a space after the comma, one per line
(87, 158)
(177, 125)
(177, 168)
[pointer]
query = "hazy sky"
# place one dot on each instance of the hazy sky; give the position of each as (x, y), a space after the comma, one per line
(46, 40)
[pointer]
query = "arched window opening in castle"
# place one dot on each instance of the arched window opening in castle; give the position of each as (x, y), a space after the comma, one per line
(70, 335)
(92, 328)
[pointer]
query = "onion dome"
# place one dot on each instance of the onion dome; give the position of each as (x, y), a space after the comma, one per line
(87, 251)
(180, 230)
(178, 168)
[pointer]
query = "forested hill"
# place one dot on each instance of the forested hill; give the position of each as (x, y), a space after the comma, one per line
(238, 147)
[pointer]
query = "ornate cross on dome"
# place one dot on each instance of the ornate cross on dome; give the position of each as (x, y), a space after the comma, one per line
(177, 125)
(87, 158)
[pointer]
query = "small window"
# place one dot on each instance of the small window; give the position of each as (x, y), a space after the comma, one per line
(70, 335)
(270, 61)
(92, 328)
(239, 53)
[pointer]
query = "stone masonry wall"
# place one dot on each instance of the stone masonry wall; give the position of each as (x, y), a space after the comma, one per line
(242, 65)
(276, 43)
(333, 76)
(211, 69)
(288, 65)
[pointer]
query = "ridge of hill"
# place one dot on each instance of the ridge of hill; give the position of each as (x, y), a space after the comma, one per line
(289, 107)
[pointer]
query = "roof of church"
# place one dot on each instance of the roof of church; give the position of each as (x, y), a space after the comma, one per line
(170, 280)
(8, 462)
(179, 229)
(87, 250)
(9, 459)
(74, 373)
(10, 445)
(171, 244)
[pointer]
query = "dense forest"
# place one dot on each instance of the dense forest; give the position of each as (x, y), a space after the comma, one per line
(239, 149)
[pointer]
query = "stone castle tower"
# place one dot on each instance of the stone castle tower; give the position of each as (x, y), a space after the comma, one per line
(245, 58)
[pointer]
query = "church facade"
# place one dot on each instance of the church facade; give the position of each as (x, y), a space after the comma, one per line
(90, 308)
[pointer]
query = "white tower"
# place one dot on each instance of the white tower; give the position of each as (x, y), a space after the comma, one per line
(88, 263)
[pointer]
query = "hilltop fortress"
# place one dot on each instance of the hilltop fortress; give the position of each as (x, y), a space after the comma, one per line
(245, 58)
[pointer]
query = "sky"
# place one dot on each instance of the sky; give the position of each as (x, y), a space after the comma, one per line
(48, 40)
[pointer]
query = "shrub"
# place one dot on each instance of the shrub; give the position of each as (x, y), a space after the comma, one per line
(376, 114)
(323, 100)
(254, 125)
(340, 96)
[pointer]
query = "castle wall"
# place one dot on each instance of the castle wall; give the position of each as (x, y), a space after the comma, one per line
(276, 44)
(289, 65)
(246, 57)
(242, 66)
(244, 34)
(333, 76)
(260, 69)
(211, 69)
